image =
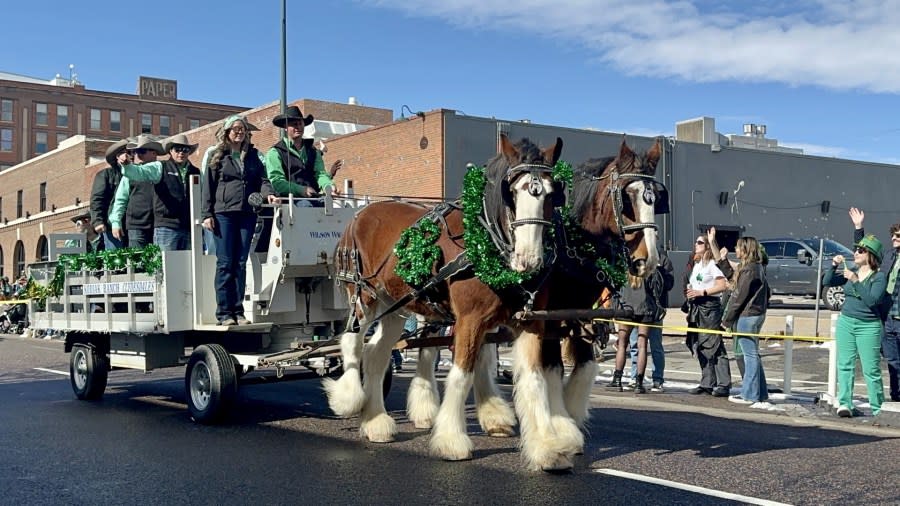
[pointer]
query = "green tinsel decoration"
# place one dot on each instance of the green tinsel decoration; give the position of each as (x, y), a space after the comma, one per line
(489, 267)
(417, 252)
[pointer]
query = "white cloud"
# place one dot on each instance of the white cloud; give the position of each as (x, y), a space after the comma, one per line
(838, 45)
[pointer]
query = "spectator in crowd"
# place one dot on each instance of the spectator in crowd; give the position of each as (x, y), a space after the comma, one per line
(859, 327)
(104, 189)
(890, 340)
(233, 170)
(171, 192)
(744, 314)
(704, 284)
(134, 200)
(293, 164)
(665, 281)
(6, 289)
(643, 297)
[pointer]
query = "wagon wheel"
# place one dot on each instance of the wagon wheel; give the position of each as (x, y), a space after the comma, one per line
(88, 372)
(210, 383)
(833, 297)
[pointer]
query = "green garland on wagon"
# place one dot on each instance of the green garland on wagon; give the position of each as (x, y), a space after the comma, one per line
(147, 259)
(617, 270)
(417, 252)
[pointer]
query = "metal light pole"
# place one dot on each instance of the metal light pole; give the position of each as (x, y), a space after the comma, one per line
(283, 56)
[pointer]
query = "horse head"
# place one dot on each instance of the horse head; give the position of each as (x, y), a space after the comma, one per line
(522, 198)
(621, 202)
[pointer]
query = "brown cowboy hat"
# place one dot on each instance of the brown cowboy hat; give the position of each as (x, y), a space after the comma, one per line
(147, 142)
(116, 148)
(290, 114)
(179, 140)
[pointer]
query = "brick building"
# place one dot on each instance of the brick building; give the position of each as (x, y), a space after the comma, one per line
(37, 115)
(39, 196)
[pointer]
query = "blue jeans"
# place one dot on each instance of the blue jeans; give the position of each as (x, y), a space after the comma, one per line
(753, 385)
(111, 243)
(890, 348)
(171, 239)
(657, 353)
(233, 234)
(138, 238)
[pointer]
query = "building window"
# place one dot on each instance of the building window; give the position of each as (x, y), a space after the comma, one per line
(19, 260)
(146, 123)
(4, 166)
(164, 125)
(6, 110)
(61, 137)
(62, 116)
(19, 204)
(6, 139)
(115, 121)
(40, 114)
(42, 253)
(43, 193)
(95, 119)
(40, 142)
(195, 123)
(1, 261)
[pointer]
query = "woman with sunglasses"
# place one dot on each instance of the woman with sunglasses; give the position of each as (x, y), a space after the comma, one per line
(704, 286)
(859, 326)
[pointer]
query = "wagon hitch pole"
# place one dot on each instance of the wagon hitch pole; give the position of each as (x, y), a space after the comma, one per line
(573, 314)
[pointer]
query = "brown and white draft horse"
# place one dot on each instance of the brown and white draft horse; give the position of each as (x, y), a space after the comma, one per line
(613, 202)
(518, 197)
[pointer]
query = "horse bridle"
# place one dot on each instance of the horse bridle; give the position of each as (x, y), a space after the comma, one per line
(616, 187)
(535, 189)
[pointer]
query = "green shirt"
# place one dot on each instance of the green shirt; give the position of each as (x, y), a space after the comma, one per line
(283, 186)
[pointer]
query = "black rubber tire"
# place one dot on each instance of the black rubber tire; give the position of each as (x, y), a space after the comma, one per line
(833, 297)
(210, 383)
(88, 372)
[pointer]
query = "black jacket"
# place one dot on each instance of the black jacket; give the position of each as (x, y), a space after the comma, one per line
(139, 213)
(304, 174)
(227, 186)
(103, 191)
(172, 203)
(750, 296)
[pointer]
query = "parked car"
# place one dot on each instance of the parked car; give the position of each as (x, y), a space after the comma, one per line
(793, 268)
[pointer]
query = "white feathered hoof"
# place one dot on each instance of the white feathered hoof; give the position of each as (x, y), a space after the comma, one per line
(422, 404)
(569, 438)
(561, 464)
(381, 429)
(496, 418)
(346, 397)
(451, 446)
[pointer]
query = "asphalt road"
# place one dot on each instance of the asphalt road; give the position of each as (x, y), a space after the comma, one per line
(138, 445)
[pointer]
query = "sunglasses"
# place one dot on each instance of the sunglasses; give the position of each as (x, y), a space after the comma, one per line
(700, 242)
(895, 236)
(181, 149)
(861, 250)
(140, 151)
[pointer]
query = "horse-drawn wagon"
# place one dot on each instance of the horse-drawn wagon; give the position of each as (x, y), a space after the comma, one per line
(147, 310)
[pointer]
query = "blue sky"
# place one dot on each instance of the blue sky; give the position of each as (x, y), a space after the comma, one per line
(821, 75)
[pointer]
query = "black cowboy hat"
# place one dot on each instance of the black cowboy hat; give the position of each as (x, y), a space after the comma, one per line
(291, 113)
(116, 148)
(81, 216)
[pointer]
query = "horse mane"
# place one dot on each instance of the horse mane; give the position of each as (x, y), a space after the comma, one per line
(582, 197)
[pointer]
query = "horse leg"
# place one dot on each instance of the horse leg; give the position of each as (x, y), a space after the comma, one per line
(495, 416)
(423, 399)
(375, 424)
(449, 440)
(581, 380)
(345, 395)
(547, 442)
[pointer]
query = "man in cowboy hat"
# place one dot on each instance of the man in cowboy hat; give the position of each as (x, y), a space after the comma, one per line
(134, 200)
(82, 226)
(295, 156)
(171, 192)
(104, 189)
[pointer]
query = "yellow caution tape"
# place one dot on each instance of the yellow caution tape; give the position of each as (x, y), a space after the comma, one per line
(17, 301)
(715, 331)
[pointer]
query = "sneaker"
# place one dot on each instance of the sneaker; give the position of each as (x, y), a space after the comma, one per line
(762, 405)
(844, 412)
(241, 320)
(398, 368)
(699, 390)
(737, 399)
(227, 322)
(657, 387)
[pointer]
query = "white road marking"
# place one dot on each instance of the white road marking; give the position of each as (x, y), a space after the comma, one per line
(64, 373)
(690, 488)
